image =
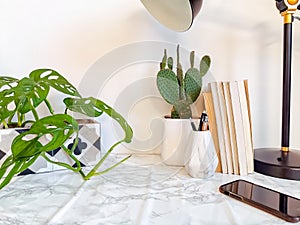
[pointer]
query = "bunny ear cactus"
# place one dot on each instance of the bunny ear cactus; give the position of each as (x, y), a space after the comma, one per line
(180, 90)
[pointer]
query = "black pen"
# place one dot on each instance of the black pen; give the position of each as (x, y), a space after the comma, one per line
(193, 125)
(203, 125)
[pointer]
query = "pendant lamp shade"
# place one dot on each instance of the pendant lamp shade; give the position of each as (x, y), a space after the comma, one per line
(177, 15)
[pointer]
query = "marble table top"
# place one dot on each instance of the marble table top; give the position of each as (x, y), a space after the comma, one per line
(141, 191)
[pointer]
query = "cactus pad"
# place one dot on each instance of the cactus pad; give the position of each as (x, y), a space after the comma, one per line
(181, 90)
(168, 86)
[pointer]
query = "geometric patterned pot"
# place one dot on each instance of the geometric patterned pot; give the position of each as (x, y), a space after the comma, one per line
(87, 151)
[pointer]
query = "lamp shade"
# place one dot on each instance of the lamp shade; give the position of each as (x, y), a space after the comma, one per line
(177, 15)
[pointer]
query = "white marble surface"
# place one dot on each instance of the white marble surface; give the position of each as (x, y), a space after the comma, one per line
(140, 191)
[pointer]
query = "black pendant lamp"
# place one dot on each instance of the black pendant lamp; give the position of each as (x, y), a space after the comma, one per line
(177, 15)
(282, 162)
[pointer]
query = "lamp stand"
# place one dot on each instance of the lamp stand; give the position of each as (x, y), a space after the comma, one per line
(284, 162)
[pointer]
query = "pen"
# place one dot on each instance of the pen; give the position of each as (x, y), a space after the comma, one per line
(193, 125)
(203, 125)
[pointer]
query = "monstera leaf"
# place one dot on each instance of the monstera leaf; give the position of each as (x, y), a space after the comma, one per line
(29, 145)
(6, 96)
(48, 77)
(5, 100)
(7, 81)
(18, 166)
(32, 91)
(19, 97)
(58, 128)
(29, 92)
(93, 107)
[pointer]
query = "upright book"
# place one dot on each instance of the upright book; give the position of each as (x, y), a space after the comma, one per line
(219, 125)
(238, 126)
(225, 127)
(233, 126)
(212, 125)
(245, 108)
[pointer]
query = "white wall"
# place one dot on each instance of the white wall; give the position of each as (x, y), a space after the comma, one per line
(75, 37)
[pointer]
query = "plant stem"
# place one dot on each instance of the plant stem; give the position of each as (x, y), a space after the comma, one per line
(70, 153)
(22, 118)
(35, 114)
(79, 168)
(11, 173)
(96, 167)
(49, 106)
(76, 170)
(4, 124)
(110, 168)
(10, 119)
(19, 115)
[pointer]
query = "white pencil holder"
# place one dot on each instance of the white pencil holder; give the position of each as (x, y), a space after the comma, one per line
(200, 159)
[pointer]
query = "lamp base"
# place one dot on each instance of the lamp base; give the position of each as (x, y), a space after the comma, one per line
(276, 163)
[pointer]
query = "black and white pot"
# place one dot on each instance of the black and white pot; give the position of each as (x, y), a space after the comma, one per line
(87, 150)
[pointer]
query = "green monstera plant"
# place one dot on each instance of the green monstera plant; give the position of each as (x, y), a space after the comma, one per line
(179, 89)
(20, 97)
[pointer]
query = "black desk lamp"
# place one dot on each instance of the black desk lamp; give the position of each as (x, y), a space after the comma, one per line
(281, 162)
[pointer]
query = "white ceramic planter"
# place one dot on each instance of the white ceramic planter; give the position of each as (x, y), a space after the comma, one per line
(175, 141)
(201, 158)
(87, 151)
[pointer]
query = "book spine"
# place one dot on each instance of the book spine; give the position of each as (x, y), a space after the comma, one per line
(214, 91)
